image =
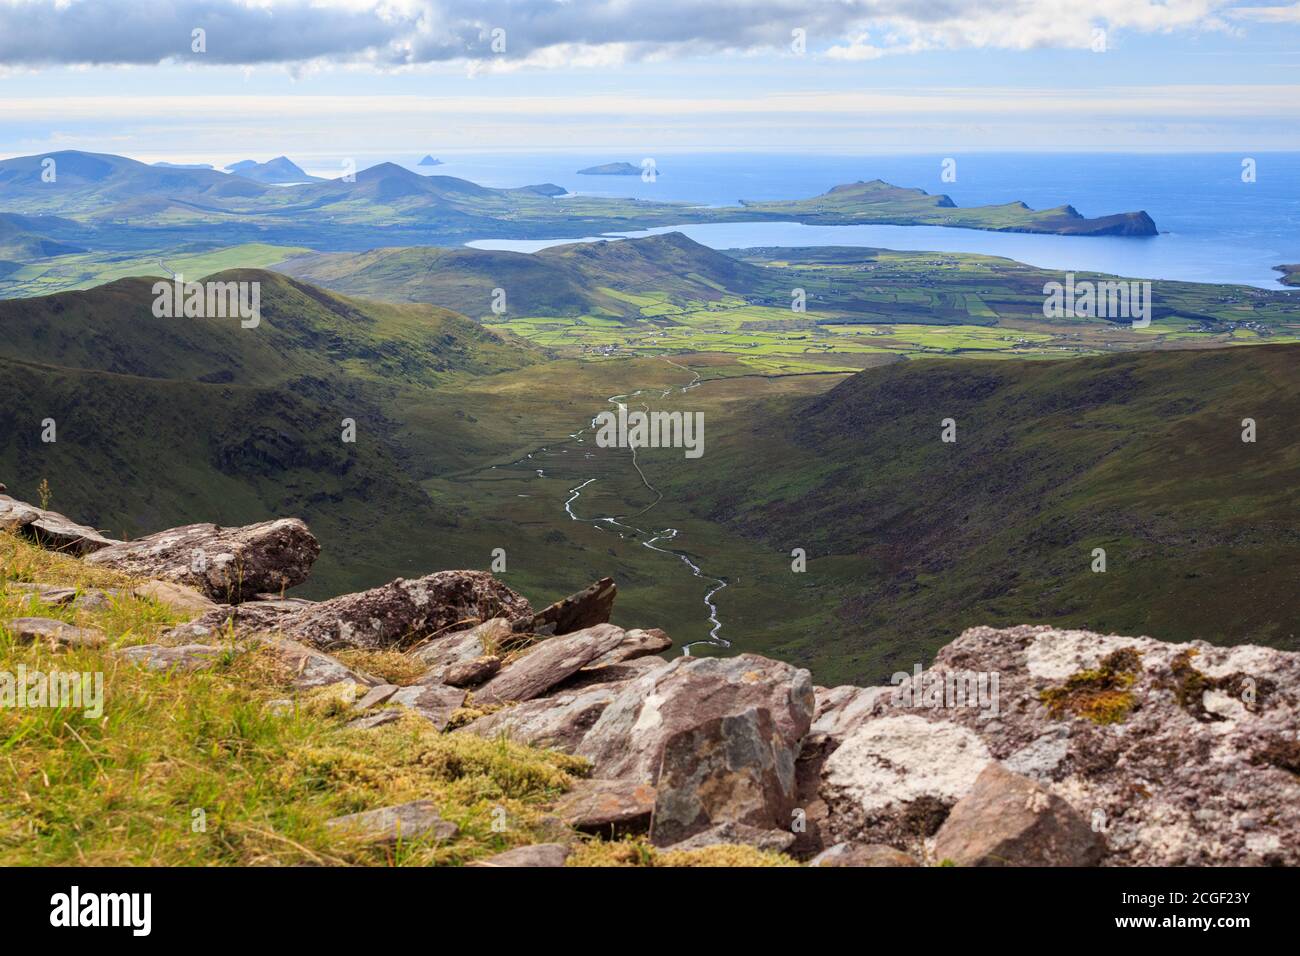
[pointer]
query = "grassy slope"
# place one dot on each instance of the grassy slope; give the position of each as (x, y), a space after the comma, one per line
(162, 421)
(910, 539)
(124, 788)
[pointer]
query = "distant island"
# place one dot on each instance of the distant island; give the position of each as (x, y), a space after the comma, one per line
(429, 161)
(611, 169)
(1290, 274)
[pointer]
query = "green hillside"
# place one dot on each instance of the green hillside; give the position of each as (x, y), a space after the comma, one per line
(910, 539)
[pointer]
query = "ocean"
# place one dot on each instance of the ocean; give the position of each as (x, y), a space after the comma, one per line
(1213, 226)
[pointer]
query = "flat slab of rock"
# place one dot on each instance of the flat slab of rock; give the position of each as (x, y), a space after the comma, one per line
(611, 673)
(1008, 820)
(736, 834)
(434, 703)
(405, 822)
(539, 854)
(736, 769)
(225, 564)
(185, 657)
(637, 643)
(311, 668)
(47, 630)
(856, 854)
(469, 673)
(841, 710)
(587, 608)
(376, 696)
(608, 807)
(379, 718)
(459, 647)
(549, 663)
(629, 738)
(558, 722)
(49, 529)
(177, 597)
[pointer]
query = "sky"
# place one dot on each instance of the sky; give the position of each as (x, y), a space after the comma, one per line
(221, 80)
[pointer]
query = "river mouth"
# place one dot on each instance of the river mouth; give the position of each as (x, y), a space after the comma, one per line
(1168, 256)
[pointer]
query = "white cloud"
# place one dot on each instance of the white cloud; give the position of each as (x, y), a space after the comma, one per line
(391, 34)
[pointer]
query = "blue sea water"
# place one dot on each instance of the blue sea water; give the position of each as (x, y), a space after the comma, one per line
(1213, 226)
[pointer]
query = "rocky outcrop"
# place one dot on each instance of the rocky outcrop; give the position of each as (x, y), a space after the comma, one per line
(224, 564)
(558, 722)
(1174, 754)
(589, 607)
(608, 807)
(49, 529)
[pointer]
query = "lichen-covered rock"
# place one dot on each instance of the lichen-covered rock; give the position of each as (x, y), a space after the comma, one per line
(459, 647)
(401, 612)
(636, 644)
(629, 738)
(1178, 754)
(895, 778)
(49, 529)
(434, 703)
(736, 834)
(178, 597)
(470, 673)
(1008, 820)
(225, 564)
(549, 663)
(587, 608)
(309, 668)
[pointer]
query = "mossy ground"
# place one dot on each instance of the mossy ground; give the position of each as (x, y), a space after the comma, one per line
(201, 768)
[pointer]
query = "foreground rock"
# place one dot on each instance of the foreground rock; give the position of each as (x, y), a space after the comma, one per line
(49, 529)
(589, 607)
(224, 564)
(389, 825)
(737, 834)
(539, 854)
(733, 769)
(849, 854)
(1008, 820)
(435, 704)
(53, 633)
(1175, 754)
(178, 597)
(610, 808)
(184, 657)
(549, 663)
(629, 738)
(461, 647)
(310, 668)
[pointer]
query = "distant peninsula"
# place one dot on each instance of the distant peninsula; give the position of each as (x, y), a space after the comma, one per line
(880, 202)
(1290, 274)
(611, 169)
(429, 161)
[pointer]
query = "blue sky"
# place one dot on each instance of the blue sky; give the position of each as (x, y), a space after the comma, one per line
(322, 79)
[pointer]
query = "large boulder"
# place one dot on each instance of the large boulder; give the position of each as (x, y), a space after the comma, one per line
(1177, 754)
(730, 769)
(1008, 820)
(49, 529)
(587, 608)
(225, 564)
(549, 663)
(629, 738)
